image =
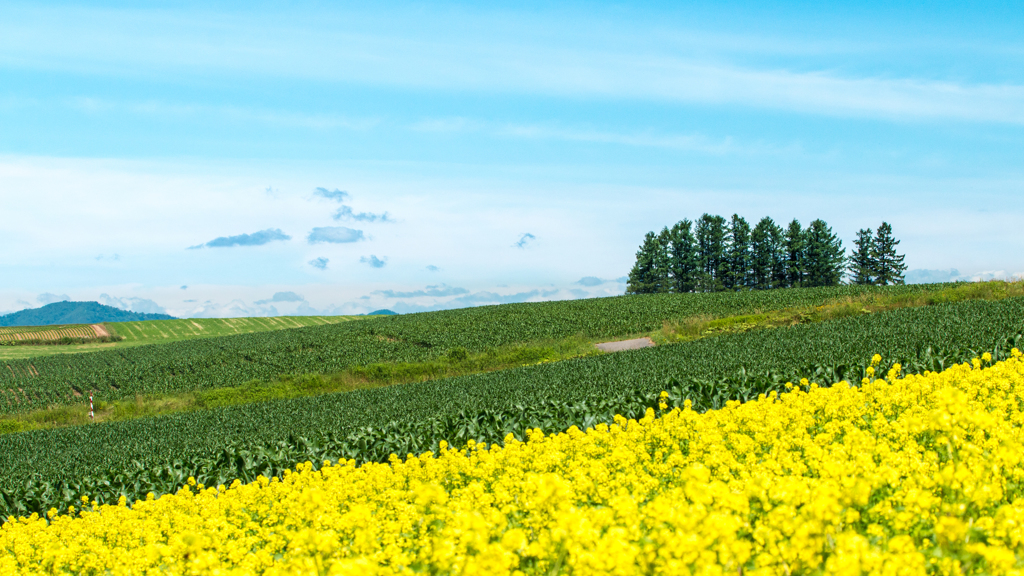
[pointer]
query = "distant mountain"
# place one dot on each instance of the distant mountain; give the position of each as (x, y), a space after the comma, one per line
(75, 313)
(384, 312)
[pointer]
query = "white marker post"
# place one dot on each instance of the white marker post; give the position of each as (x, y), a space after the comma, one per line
(90, 407)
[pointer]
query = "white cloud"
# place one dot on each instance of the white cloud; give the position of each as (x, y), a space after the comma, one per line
(451, 54)
(334, 235)
(644, 139)
(133, 304)
(270, 117)
(48, 298)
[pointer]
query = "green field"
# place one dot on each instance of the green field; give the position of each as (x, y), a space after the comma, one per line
(156, 331)
(52, 467)
(164, 331)
(206, 363)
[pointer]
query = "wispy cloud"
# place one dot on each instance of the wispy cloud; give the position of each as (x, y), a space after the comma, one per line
(438, 291)
(320, 263)
(454, 56)
(536, 131)
(48, 298)
(926, 276)
(336, 195)
(482, 298)
(133, 304)
(255, 239)
(334, 235)
(373, 261)
(591, 281)
(162, 108)
(346, 213)
(282, 297)
(524, 240)
(432, 268)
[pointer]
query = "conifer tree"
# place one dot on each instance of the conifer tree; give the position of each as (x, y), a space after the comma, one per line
(765, 255)
(662, 280)
(793, 247)
(683, 258)
(737, 254)
(643, 277)
(777, 239)
(888, 267)
(824, 257)
(862, 261)
(710, 235)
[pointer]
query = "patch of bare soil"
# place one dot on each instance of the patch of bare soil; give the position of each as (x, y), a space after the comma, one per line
(621, 345)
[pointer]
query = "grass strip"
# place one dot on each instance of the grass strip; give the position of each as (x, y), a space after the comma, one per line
(460, 362)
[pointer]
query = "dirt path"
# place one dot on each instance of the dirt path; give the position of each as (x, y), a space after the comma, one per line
(621, 345)
(99, 330)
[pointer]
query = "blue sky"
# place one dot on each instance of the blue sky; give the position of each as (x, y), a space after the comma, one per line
(205, 159)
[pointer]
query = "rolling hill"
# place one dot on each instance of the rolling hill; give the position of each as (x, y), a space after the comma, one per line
(75, 313)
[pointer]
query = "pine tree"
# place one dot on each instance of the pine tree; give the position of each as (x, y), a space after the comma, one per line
(738, 255)
(862, 261)
(643, 277)
(762, 254)
(793, 246)
(824, 257)
(683, 258)
(777, 240)
(888, 266)
(662, 281)
(711, 260)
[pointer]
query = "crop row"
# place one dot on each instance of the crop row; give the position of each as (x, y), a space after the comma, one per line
(148, 331)
(233, 360)
(54, 333)
(53, 468)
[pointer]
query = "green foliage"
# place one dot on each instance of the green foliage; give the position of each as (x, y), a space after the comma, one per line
(824, 260)
(74, 313)
(41, 469)
(738, 255)
(711, 253)
(200, 364)
(645, 277)
(163, 331)
(683, 265)
(794, 244)
(862, 261)
(887, 266)
(713, 256)
(457, 354)
(766, 261)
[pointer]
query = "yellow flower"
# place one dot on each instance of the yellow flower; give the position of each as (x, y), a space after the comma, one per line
(916, 474)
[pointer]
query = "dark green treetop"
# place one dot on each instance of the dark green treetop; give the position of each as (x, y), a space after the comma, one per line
(888, 266)
(862, 261)
(737, 254)
(711, 253)
(682, 258)
(824, 257)
(793, 244)
(643, 278)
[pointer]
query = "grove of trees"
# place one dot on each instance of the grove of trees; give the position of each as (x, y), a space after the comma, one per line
(713, 255)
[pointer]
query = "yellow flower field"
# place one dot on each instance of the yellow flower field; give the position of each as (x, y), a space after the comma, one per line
(921, 474)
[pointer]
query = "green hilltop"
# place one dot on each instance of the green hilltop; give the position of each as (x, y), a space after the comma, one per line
(75, 313)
